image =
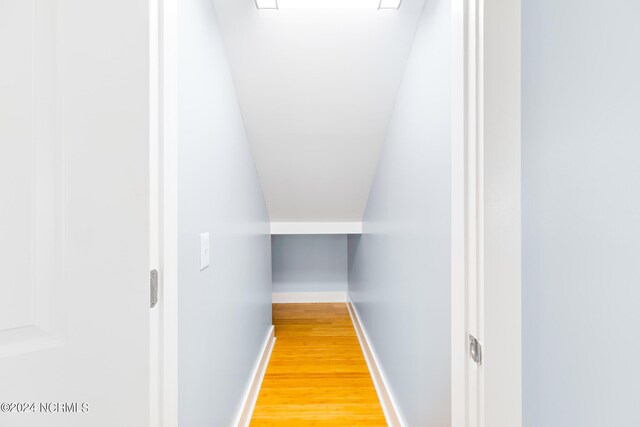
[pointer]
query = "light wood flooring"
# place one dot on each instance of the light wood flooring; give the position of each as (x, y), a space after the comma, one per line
(317, 375)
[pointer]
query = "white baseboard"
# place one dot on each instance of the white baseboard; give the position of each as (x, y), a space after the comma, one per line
(308, 297)
(253, 388)
(387, 400)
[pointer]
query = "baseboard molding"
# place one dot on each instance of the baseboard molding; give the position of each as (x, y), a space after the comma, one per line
(387, 400)
(253, 389)
(308, 297)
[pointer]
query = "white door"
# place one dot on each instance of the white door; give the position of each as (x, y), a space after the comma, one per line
(74, 213)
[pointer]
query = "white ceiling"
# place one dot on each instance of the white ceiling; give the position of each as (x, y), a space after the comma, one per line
(317, 89)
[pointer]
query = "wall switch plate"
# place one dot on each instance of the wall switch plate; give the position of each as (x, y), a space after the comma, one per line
(205, 257)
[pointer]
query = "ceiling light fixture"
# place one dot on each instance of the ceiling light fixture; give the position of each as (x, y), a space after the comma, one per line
(328, 4)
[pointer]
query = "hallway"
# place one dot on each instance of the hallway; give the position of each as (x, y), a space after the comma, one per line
(317, 374)
(338, 213)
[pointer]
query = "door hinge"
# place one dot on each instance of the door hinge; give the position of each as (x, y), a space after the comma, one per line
(475, 349)
(154, 288)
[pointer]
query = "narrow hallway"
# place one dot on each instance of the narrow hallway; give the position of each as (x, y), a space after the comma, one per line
(317, 374)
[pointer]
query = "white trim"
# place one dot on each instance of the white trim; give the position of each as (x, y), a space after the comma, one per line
(253, 388)
(316, 228)
(499, 214)
(473, 194)
(486, 217)
(155, 373)
(308, 297)
(475, 207)
(385, 395)
(459, 128)
(168, 137)
(485, 288)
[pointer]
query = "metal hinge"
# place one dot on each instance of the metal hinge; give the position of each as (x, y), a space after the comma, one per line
(154, 288)
(475, 349)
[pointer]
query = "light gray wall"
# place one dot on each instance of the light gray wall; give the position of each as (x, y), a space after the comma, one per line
(400, 267)
(309, 263)
(581, 207)
(225, 310)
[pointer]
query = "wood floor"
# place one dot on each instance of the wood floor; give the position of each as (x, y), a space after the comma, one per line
(317, 375)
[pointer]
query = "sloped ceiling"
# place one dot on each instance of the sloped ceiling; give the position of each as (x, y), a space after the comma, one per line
(317, 89)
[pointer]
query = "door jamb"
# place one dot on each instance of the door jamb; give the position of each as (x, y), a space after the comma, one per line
(479, 62)
(486, 216)
(155, 373)
(459, 10)
(167, 230)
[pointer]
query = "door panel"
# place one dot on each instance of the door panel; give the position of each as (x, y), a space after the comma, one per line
(30, 182)
(74, 232)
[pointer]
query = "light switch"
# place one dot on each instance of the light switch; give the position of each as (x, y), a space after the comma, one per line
(204, 251)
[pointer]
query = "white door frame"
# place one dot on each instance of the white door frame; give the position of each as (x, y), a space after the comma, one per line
(163, 99)
(169, 195)
(486, 213)
(169, 155)
(154, 206)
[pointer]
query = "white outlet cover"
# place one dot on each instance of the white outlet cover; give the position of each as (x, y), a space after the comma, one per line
(205, 253)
